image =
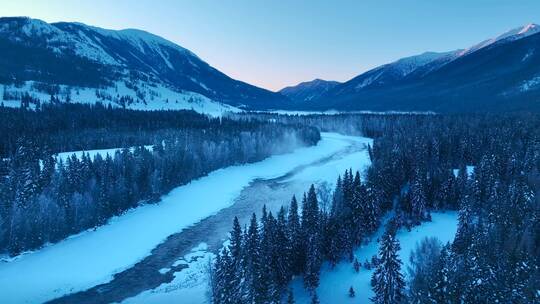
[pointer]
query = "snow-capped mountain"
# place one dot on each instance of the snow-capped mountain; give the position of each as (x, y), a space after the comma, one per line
(309, 90)
(391, 72)
(498, 74)
(76, 56)
(511, 35)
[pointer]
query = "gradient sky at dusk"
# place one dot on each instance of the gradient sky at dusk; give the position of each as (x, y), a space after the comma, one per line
(274, 44)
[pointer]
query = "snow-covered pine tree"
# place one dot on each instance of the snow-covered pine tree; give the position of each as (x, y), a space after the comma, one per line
(312, 238)
(388, 282)
(252, 262)
(235, 246)
(283, 248)
(295, 236)
(357, 210)
(236, 252)
(439, 290)
(418, 202)
(464, 232)
(371, 210)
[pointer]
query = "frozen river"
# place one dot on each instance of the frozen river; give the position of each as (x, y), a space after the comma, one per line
(149, 240)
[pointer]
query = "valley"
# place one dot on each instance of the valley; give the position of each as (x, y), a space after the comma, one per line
(159, 152)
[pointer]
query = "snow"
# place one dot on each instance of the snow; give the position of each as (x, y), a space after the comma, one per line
(328, 172)
(188, 286)
(530, 84)
(157, 96)
(335, 283)
(408, 64)
(513, 34)
(191, 284)
(93, 257)
(469, 169)
(527, 55)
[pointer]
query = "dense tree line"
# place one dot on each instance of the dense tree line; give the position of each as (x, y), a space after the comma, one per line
(418, 165)
(62, 127)
(44, 200)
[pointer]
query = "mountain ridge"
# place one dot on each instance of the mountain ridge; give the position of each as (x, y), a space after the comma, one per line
(389, 87)
(57, 53)
(308, 90)
(498, 77)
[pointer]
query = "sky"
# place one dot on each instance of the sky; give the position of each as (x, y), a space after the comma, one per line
(273, 44)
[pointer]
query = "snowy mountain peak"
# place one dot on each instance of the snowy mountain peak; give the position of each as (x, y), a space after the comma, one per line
(136, 36)
(513, 34)
(529, 28)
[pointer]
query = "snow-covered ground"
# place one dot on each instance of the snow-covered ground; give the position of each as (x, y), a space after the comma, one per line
(189, 285)
(335, 283)
(157, 97)
(92, 257)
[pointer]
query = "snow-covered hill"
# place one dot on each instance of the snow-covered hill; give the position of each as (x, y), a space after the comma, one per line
(75, 57)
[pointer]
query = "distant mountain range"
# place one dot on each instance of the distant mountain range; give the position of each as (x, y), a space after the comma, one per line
(309, 90)
(498, 74)
(126, 63)
(73, 62)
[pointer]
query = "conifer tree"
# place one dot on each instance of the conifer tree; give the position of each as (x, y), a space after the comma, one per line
(352, 294)
(441, 274)
(419, 204)
(295, 236)
(236, 241)
(312, 239)
(388, 282)
(253, 263)
(356, 265)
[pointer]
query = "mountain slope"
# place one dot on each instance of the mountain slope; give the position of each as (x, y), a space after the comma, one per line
(75, 54)
(309, 90)
(390, 73)
(498, 77)
(499, 74)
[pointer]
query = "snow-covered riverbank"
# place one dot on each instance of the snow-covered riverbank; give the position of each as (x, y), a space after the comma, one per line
(191, 284)
(93, 257)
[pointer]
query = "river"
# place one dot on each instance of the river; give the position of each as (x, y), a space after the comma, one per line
(128, 255)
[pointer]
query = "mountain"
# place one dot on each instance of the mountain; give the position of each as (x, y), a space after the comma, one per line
(499, 74)
(390, 73)
(511, 35)
(309, 90)
(144, 68)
